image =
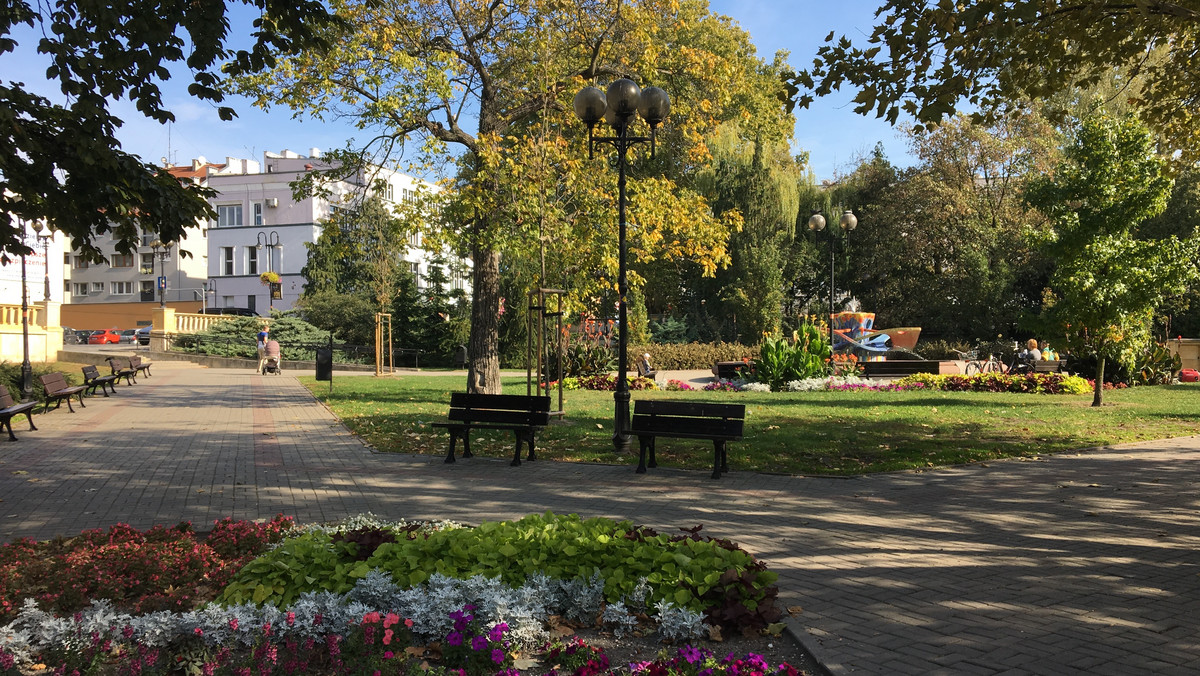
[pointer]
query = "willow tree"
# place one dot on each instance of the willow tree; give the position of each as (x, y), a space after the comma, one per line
(472, 80)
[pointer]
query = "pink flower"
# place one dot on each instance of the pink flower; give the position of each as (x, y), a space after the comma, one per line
(198, 631)
(387, 637)
(371, 618)
(291, 618)
(392, 618)
(233, 624)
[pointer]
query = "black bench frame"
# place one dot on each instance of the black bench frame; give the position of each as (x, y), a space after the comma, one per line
(720, 423)
(63, 393)
(125, 371)
(92, 378)
(521, 414)
(11, 408)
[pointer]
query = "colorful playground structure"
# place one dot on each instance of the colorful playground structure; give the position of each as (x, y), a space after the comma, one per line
(855, 332)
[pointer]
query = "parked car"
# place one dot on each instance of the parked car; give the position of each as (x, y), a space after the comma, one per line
(129, 336)
(143, 335)
(104, 337)
(70, 336)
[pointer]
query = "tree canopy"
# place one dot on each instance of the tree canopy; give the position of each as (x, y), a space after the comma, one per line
(1106, 284)
(64, 164)
(930, 59)
(489, 86)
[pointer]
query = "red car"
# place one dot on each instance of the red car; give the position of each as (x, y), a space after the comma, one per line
(105, 336)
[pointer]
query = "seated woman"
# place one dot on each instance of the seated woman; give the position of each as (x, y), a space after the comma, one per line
(643, 367)
(1031, 351)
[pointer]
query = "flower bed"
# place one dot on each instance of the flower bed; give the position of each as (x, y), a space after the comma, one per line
(371, 624)
(1039, 383)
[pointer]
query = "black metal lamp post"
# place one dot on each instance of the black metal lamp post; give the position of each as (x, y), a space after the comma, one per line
(271, 240)
(26, 366)
(816, 223)
(620, 107)
(162, 275)
(45, 241)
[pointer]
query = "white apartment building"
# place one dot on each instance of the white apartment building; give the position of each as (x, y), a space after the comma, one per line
(261, 228)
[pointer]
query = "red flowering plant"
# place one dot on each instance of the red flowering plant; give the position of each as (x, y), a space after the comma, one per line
(158, 569)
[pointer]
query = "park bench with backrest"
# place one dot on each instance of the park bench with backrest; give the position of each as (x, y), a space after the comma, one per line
(58, 390)
(9, 408)
(92, 378)
(121, 368)
(521, 414)
(139, 366)
(719, 423)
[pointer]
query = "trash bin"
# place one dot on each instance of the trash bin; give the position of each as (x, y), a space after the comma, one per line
(324, 363)
(460, 357)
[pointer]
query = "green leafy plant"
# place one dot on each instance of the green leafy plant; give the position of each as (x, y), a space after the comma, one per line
(710, 576)
(806, 356)
(1158, 366)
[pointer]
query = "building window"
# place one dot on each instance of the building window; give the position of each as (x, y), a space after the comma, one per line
(409, 196)
(147, 288)
(229, 216)
(148, 237)
(415, 269)
(414, 240)
(252, 260)
(458, 280)
(226, 260)
(79, 289)
(81, 263)
(256, 212)
(121, 288)
(227, 301)
(147, 264)
(389, 192)
(66, 259)
(97, 287)
(120, 260)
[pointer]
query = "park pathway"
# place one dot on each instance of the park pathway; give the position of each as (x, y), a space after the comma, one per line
(1081, 563)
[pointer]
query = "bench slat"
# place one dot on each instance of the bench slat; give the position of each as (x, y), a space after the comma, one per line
(689, 428)
(538, 418)
(512, 402)
(700, 409)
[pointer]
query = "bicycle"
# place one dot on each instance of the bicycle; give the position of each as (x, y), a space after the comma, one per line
(975, 365)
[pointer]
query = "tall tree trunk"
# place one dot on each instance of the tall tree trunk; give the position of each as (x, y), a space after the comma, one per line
(483, 370)
(1098, 390)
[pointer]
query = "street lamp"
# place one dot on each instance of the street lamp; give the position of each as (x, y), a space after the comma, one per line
(210, 287)
(619, 108)
(162, 276)
(816, 223)
(45, 240)
(271, 240)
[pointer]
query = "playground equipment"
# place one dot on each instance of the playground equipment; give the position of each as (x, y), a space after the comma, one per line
(855, 331)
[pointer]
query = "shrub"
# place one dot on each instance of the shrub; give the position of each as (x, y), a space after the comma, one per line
(687, 356)
(806, 356)
(1041, 383)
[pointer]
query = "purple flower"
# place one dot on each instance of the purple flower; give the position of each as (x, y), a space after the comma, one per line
(498, 656)
(479, 643)
(690, 654)
(454, 638)
(497, 632)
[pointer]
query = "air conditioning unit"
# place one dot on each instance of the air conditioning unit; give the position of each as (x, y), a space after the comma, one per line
(272, 201)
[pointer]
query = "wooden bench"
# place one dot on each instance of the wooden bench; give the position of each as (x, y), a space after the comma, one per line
(729, 370)
(92, 378)
(139, 366)
(522, 414)
(1022, 366)
(57, 391)
(686, 420)
(9, 408)
(898, 368)
(122, 369)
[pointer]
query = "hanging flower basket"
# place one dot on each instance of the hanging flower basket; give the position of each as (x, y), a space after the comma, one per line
(269, 277)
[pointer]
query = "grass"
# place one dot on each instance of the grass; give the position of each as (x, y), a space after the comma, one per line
(792, 433)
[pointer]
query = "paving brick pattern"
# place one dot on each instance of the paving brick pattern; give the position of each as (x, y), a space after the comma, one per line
(1083, 563)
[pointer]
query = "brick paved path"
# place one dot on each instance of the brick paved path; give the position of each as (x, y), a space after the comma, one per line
(1078, 563)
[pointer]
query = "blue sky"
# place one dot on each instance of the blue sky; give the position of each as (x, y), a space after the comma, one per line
(830, 131)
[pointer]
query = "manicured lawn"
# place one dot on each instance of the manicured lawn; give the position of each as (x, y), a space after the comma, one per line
(796, 433)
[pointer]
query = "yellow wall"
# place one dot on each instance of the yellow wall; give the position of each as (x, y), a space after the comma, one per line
(93, 316)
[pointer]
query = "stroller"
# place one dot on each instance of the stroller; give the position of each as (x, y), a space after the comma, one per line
(270, 361)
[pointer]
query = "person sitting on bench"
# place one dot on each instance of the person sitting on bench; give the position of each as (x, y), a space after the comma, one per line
(643, 367)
